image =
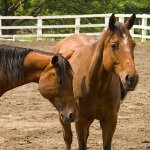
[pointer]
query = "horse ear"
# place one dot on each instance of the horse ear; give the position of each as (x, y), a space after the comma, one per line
(130, 22)
(112, 21)
(54, 60)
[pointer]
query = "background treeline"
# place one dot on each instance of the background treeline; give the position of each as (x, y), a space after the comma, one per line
(67, 7)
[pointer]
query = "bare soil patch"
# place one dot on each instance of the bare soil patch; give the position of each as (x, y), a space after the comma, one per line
(30, 122)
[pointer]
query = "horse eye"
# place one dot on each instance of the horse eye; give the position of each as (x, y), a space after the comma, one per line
(113, 46)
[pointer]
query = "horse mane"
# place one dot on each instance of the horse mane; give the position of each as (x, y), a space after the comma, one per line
(11, 64)
(64, 70)
(63, 67)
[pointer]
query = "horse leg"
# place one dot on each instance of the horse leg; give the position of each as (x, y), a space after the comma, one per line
(82, 129)
(67, 134)
(108, 128)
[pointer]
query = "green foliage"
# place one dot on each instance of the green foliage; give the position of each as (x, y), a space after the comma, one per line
(67, 7)
(63, 7)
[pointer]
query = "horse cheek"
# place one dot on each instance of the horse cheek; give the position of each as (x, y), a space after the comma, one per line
(107, 61)
(47, 86)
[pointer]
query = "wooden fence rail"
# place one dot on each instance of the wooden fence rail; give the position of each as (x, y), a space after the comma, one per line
(140, 30)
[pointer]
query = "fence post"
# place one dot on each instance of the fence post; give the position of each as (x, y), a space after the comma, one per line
(106, 21)
(144, 24)
(0, 27)
(132, 31)
(121, 19)
(77, 25)
(39, 29)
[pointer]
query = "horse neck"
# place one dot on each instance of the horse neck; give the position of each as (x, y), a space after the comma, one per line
(34, 64)
(97, 61)
(104, 79)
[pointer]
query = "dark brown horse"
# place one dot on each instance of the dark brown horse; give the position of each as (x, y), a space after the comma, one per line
(104, 71)
(53, 73)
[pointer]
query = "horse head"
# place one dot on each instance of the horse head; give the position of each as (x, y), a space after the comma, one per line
(119, 52)
(55, 84)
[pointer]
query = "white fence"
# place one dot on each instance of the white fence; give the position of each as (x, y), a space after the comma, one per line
(140, 30)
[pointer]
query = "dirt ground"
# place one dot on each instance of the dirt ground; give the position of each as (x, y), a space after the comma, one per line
(30, 122)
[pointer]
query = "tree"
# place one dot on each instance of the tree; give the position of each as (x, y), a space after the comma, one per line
(19, 7)
(63, 7)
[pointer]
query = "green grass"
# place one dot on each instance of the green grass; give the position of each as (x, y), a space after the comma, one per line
(139, 40)
(33, 39)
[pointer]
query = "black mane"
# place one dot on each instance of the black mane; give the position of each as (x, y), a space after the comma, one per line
(64, 70)
(11, 63)
(119, 28)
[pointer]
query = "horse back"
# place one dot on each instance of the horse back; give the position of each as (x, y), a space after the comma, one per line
(68, 45)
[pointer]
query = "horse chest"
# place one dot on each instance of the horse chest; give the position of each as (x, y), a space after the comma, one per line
(90, 107)
(97, 106)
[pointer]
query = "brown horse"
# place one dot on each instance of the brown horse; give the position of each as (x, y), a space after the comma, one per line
(104, 71)
(53, 73)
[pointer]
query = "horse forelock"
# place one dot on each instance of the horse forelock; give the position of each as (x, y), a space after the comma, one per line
(119, 29)
(11, 64)
(64, 70)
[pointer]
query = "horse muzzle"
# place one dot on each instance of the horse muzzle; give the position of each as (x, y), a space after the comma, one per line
(70, 117)
(130, 82)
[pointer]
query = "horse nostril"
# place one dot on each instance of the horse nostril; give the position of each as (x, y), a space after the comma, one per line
(71, 117)
(131, 80)
(127, 78)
